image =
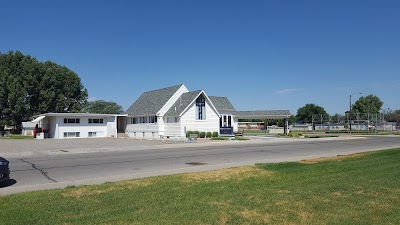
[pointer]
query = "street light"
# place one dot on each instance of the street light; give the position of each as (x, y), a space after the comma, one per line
(359, 93)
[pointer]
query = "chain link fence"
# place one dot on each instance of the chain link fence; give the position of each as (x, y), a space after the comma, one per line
(348, 123)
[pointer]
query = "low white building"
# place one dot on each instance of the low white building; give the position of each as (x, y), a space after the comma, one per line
(163, 113)
(76, 125)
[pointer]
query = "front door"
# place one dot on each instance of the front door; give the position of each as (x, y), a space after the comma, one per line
(225, 124)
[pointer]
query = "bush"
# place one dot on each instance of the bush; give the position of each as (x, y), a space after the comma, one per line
(240, 139)
(215, 134)
(202, 134)
(196, 132)
(208, 135)
(220, 138)
(188, 133)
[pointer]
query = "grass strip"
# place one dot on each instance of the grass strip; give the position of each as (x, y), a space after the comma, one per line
(355, 189)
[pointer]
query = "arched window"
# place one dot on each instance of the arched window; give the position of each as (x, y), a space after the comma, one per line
(201, 108)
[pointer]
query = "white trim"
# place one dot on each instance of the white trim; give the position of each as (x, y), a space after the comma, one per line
(38, 119)
(172, 100)
(201, 92)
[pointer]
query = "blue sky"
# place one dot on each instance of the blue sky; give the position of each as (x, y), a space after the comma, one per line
(260, 54)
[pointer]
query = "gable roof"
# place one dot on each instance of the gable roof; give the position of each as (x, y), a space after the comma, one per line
(182, 103)
(150, 102)
(222, 104)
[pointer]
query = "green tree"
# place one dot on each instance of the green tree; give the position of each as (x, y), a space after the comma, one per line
(392, 115)
(101, 106)
(29, 87)
(306, 112)
(367, 104)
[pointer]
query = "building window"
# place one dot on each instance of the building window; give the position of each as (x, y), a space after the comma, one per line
(176, 119)
(96, 121)
(153, 119)
(72, 120)
(133, 120)
(229, 121)
(201, 108)
(71, 134)
(92, 134)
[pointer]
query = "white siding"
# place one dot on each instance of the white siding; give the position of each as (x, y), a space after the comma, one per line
(173, 130)
(147, 128)
(53, 127)
(84, 127)
(160, 122)
(235, 124)
(111, 126)
(188, 120)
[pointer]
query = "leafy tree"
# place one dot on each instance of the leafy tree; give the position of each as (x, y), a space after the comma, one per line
(306, 112)
(367, 104)
(392, 115)
(337, 118)
(101, 106)
(292, 119)
(29, 87)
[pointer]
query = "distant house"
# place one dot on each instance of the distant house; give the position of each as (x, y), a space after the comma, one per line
(163, 113)
(28, 128)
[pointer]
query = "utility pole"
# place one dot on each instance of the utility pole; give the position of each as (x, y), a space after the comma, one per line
(350, 111)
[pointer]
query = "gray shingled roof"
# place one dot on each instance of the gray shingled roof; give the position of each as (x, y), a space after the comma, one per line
(263, 114)
(150, 102)
(182, 102)
(222, 104)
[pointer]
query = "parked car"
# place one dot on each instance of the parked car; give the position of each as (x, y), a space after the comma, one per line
(4, 169)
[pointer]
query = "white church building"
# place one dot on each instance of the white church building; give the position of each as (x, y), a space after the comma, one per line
(172, 111)
(164, 113)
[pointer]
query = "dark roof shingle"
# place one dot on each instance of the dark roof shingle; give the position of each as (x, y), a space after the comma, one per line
(150, 102)
(222, 104)
(182, 103)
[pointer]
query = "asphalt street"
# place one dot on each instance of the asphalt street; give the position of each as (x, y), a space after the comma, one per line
(57, 171)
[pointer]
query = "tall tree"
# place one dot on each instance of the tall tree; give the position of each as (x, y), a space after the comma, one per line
(101, 106)
(29, 87)
(367, 104)
(392, 115)
(306, 112)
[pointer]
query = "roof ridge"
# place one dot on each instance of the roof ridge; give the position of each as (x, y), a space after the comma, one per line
(179, 85)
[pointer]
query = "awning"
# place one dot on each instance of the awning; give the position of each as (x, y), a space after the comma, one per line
(38, 119)
(263, 114)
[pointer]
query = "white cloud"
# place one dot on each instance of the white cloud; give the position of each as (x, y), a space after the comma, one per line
(286, 91)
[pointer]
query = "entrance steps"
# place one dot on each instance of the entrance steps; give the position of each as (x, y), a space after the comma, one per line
(122, 135)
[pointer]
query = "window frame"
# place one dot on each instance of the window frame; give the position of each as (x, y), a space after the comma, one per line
(96, 121)
(72, 120)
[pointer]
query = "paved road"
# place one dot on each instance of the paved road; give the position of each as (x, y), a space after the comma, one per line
(55, 171)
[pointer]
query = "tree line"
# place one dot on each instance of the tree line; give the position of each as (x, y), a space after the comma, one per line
(29, 87)
(369, 104)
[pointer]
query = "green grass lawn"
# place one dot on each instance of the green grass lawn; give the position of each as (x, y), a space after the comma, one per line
(18, 136)
(356, 189)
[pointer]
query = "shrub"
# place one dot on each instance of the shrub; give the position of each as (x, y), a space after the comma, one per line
(202, 134)
(188, 133)
(240, 139)
(220, 138)
(208, 135)
(196, 132)
(215, 134)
